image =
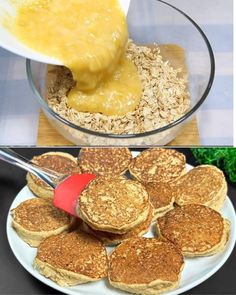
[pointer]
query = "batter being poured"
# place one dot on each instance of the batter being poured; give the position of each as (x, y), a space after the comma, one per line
(90, 38)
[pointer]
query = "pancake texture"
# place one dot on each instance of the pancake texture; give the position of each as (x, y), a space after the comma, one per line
(59, 162)
(115, 205)
(158, 165)
(110, 239)
(152, 193)
(105, 161)
(145, 266)
(161, 197)
(36, 219)
(198, 230)
(72, 258)
(205, 185)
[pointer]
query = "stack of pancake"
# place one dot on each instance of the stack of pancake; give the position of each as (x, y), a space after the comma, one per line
(114, 205)
(128, 198)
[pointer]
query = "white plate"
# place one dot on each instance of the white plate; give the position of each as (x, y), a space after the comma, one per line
(196, 270)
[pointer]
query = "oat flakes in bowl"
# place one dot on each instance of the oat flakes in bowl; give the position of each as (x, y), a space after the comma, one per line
(174, 84)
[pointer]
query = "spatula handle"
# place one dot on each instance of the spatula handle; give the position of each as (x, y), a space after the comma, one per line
(15, 159)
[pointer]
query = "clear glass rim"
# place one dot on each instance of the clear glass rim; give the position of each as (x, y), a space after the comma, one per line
(144, 134)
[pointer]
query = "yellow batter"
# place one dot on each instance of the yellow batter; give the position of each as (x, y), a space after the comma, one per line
(90, 38)
(118, 94)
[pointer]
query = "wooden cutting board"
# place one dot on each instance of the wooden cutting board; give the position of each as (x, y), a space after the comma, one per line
(48, 136)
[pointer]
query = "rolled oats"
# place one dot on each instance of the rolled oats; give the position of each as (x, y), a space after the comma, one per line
(165, 96)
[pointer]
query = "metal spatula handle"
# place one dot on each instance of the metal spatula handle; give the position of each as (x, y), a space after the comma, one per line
(52, 178)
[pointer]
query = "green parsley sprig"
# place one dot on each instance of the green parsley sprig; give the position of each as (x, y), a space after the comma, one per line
(223, 158)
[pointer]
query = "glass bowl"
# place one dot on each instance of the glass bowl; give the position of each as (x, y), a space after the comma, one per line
(150, 22)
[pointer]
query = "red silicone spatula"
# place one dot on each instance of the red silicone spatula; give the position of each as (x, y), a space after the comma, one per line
(67, 188)
(68, 191)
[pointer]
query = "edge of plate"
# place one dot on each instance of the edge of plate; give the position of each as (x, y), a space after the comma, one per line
(180, 290)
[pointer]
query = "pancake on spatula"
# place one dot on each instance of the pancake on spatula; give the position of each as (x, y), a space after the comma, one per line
(110, 239)
(115, 205)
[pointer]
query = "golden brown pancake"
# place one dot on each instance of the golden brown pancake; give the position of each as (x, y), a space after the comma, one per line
(161, 197)
(57, 161)
(203, 185)
(158, 165)
(105, 161)
(36, 219)
(115, 205)
(110, 239)
(198, 230)
(145, 266)
(72, 258)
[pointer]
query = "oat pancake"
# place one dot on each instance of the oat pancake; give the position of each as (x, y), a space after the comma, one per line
(105, 161)
(72, 258)
(198, 230)
(110, 239)
(145, 266)
(57, 161)
(158, 165)
(161, 197)
(36, 219)
(204, 185)
(114, 205)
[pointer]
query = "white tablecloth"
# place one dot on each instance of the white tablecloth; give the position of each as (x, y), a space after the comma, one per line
(19, 109)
